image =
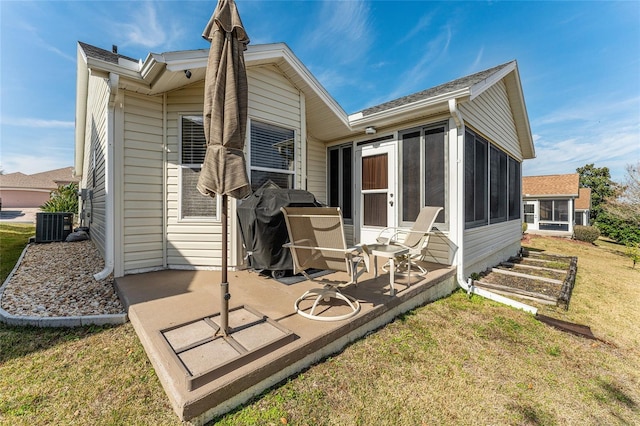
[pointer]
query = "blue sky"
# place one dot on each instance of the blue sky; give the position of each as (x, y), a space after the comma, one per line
(579, 63)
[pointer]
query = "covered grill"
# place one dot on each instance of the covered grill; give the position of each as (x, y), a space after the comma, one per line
(264, 230)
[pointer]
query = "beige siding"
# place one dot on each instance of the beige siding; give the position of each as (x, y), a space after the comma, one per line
(487, 246)
(94, 158)
(190, 243)
(273, 99)
(490, 114)
(142, 183)
(317, 169)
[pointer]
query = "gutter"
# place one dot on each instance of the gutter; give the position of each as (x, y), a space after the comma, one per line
(109, 186)
(468, 284)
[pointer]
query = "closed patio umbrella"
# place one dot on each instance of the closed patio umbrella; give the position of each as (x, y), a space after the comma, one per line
(225, 117)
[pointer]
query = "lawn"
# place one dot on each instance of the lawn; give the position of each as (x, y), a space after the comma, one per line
(455, 361)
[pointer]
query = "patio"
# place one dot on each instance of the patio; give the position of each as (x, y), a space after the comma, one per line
(174, 311)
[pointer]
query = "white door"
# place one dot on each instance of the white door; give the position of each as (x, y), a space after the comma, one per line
(376, 188)
(531, 214)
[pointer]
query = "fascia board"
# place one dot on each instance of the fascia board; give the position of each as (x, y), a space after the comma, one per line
(478, 88)
(358, 120)
(269, 52)
(93, 63)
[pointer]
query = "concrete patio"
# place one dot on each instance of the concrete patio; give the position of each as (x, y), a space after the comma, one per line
(175, 314)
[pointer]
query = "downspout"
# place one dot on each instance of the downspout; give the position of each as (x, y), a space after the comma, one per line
(467, 285)
(109, 186)
(165, 149)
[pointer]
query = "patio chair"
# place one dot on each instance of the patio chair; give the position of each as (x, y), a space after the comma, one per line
(415, 240)
(317, 241)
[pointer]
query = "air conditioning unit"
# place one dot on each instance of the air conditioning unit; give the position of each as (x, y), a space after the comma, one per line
(53, 227)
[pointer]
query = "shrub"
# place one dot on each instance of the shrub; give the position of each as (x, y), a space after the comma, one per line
(524, 227)
(64, 199)
(586, 233)
(633, 252)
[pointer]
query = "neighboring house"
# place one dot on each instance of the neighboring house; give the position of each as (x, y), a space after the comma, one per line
(140, 145)
(583, 207)
(18, 190)
(555, 203)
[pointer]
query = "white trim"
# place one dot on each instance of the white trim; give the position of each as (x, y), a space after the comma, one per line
(181, 167)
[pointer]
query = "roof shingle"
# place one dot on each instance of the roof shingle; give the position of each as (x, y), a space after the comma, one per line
(551, 185)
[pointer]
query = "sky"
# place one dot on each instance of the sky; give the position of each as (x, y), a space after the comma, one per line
(579, 63)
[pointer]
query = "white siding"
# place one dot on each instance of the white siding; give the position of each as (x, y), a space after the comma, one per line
(94, 158)
(273, 99)
(189, 243)
(142, 183)
(317, 169)
(487, 246)
(490, 114)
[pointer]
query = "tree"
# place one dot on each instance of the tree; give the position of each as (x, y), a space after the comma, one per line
(625, 204)
(602, 187)
(620, 216)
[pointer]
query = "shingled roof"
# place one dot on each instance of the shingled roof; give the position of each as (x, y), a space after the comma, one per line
(45, 180)
(583, 202)
(451, 86)
(102, 54)
(551, 185)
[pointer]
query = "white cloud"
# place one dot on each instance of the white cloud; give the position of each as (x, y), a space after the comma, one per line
(413, 79)
(35, 163)
(342, 31)
(145, 28)
(37, 123)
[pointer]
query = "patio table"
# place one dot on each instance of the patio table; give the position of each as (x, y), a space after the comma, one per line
(389, 252)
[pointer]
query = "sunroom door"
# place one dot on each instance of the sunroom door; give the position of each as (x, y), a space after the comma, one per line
(376, 184)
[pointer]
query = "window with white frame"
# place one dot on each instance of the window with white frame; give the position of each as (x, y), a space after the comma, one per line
(423, 172)
(272, 150)
(193, 205)
(492, 183)
(341, 179)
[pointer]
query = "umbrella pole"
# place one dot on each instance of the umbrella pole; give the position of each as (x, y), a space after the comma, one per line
(224, 284)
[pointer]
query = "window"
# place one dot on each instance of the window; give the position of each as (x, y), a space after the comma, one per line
(529, 213)
(578, 218)
(498, 185)
(272, 155)
(554, 210)
(475, 180)
(192, 149)
(423, 172)
(341, 179)
(515, 184)
(492, 183)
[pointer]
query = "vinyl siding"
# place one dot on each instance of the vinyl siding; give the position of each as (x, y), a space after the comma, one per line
(490, 114)
(487, 246)
(142, 205)
(272, 99)
(190, 243)
(317, 169)
(96, 148)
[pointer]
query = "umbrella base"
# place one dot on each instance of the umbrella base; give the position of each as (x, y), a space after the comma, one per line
(205, 353)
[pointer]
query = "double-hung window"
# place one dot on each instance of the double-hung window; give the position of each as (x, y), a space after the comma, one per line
(423, 172)
(193, 205)
(341, 179)
(272, 150)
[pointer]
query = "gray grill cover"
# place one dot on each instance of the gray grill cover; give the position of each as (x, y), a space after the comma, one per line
(263, 228)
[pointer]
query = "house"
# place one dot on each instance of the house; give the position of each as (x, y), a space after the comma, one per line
(555, 203)
(583, 207)
(140, 145)
(30, 191)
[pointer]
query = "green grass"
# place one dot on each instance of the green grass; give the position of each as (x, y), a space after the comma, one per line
(455, 361)
(13, 239)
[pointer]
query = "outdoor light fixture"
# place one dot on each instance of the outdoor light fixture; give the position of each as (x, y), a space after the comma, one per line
(187, 73)
(370, 130)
